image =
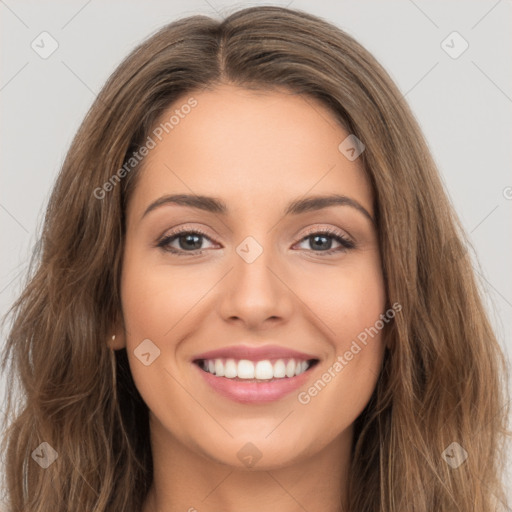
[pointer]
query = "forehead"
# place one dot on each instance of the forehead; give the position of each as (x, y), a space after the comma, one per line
(250, 148)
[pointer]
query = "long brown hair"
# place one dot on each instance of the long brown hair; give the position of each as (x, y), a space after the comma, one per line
(442, 381)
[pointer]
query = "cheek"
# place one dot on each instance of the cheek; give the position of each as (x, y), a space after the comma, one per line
(155, 301)
(349, 302)
(160, 304)
(347, 299)
(155, 298)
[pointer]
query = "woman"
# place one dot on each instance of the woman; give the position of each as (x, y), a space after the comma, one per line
(252, 293)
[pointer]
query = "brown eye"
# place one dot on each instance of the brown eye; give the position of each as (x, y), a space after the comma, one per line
(321, 242)
(189, 242)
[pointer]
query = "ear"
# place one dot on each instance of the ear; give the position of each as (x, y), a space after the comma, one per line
(117, 340)
(390, 343)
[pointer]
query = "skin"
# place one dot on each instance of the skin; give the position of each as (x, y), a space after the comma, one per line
(257, 151)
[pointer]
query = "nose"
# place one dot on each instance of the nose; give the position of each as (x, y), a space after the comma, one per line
(255, 292)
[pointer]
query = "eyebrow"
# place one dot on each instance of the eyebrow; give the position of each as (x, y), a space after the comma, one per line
(295, 207)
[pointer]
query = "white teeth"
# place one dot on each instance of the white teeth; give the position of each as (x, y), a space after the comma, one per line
(219, 367)
(245, 369)
(279, 369)
(260, 370)
(264, 370)
(290, 368)
(230, 369)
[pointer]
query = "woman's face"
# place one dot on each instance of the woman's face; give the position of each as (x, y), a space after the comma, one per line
(260, 274)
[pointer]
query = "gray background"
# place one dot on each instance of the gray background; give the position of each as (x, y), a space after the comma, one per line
(463, 105)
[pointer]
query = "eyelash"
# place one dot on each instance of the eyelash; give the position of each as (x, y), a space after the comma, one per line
(164, 242)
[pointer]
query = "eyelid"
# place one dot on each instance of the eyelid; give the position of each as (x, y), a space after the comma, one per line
(175, 232)
(309, 231)
(185, 229)
(170, 235)
(330, 230)
(346, 242)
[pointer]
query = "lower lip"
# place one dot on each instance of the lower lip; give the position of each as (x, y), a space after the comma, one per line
(255, 392)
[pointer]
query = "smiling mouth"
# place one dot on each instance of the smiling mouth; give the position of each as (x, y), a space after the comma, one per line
(244, 370)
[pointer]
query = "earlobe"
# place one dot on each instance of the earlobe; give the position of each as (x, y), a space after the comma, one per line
(117, 338)
(116, 342)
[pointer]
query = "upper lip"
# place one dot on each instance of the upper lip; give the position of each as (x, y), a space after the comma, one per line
(254, 353)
